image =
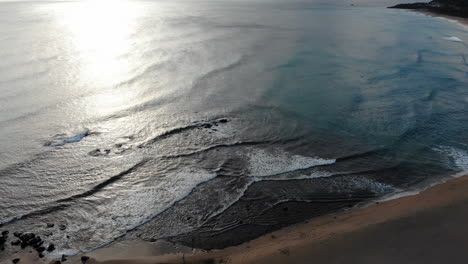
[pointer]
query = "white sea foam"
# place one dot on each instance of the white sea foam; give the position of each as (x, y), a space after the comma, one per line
(132, 207)
(62, 139)
(375, 186)
(355, 183)
(265, 163)
(301, 176)
(421, 187)
(164, 192)
(455, 22)
(460, 160)
(459, 157)
(454, 39)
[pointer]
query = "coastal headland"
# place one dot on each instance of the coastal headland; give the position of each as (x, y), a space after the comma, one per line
(455, 8)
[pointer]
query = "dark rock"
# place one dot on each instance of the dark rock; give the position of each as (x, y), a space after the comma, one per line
(84, 259)
(16, 260)
(37, 245)
(62, 227)
(17, 234)
(447, 7)
(153, 240)
(223, 120)
(16, 243)
(24, 244)
(57, 262)
(50, 225)
(63, 258)
(40, 249)
(99, 152)
(27, 236)
(34, 241)
(411, 6)
(51, 248)
(5, 233)
(41, 255)
(36, 238)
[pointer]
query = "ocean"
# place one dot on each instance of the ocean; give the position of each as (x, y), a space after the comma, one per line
(209, 123)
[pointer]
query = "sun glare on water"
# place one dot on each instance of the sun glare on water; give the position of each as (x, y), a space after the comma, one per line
(99, 32)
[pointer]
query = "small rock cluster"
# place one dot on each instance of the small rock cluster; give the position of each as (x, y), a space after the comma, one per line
(25, 240)
(3, 240)
(31, 240)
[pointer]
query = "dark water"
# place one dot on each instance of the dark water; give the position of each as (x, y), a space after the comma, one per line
(211, 123)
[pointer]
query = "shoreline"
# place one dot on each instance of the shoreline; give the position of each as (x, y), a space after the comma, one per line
(251, 251)
(460, 20)
(320, 237)
(265, 249)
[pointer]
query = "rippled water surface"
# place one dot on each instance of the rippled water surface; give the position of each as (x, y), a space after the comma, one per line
(193, 121)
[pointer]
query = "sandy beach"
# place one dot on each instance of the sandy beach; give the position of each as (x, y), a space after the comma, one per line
(296, 175)
(461, 20)
(425, 228)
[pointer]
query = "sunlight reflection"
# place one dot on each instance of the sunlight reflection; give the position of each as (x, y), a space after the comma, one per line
(101, 36)
(101, 33)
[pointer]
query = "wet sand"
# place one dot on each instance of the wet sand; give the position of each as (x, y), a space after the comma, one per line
(424, 228)
(429, 227)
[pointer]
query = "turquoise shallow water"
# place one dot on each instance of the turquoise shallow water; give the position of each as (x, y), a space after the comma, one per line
(211, 123)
